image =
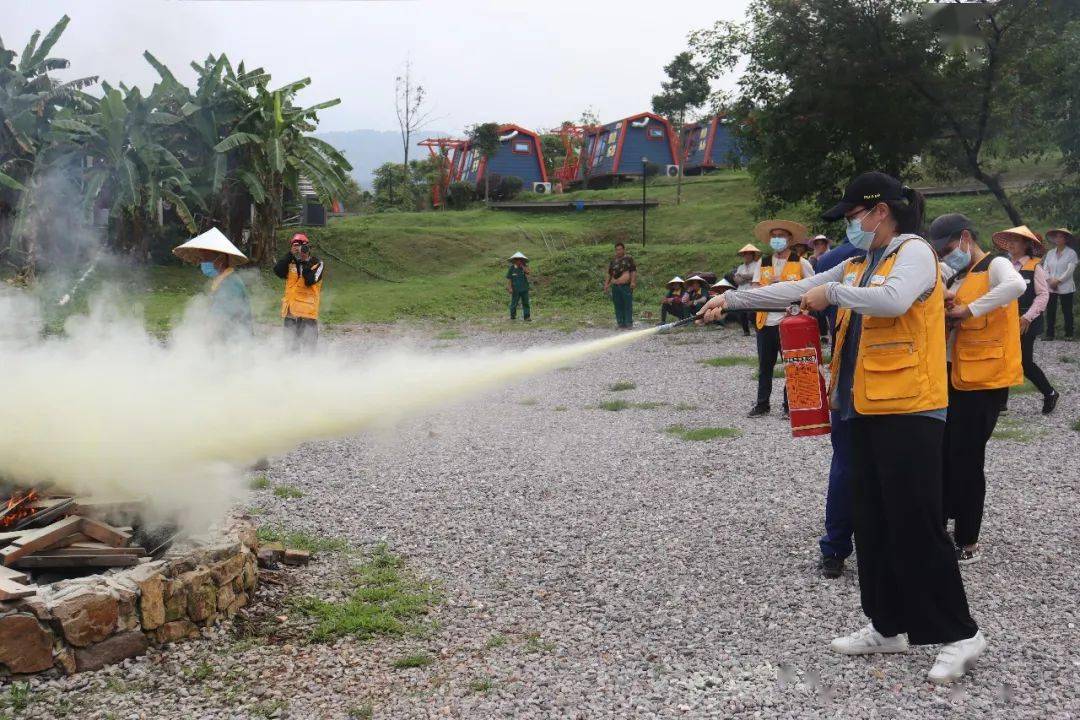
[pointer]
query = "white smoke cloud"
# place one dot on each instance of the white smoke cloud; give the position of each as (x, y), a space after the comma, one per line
(107, 409)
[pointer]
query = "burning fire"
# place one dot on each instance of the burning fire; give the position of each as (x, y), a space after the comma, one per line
(18, 507)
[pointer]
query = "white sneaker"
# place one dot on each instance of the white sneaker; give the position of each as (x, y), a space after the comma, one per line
(868, 641)
(957, 658)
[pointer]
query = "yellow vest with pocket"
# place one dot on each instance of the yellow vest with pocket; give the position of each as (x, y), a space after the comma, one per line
(986, 351)
(900, 363)
(300, 300)
(792, 271)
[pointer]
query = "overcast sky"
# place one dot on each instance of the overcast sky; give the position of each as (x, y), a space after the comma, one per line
(532, 63)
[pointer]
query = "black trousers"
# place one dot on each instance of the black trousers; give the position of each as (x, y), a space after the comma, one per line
(768, 349)
(1066, 311)
(301, 333)
(680, 311)
(972, 417)
(908, 576)
(1027, 354)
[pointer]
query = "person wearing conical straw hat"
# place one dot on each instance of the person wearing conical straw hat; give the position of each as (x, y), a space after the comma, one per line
(1060, 264)
(720, 287)
(1025, 249)
(744, 276)
(784, 265)
(230, 308)
(673, 302)
(697, 294)
(517, 284)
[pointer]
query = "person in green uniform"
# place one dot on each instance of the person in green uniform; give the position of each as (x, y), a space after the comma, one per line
(622, 280)
(517, 284)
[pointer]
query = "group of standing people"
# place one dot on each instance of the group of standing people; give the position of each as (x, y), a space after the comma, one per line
(929, 336)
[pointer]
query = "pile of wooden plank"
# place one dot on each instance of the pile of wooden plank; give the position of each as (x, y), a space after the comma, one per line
(66, 536)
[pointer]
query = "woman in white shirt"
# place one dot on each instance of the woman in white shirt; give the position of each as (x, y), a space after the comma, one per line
(1060, 264)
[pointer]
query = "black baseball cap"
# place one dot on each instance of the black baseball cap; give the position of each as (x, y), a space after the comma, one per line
(868, 189)
(947, 226)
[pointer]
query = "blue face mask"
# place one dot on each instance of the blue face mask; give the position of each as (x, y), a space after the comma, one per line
(861, 239)
(208, 269)
(958, 259)
(778, 244)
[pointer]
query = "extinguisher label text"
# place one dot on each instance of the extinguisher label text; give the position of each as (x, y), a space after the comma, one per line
(803, 379)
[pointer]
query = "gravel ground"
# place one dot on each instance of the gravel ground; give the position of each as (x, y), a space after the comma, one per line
(594, 566)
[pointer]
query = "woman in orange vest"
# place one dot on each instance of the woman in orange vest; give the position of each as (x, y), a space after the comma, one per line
(302, 273)
(984, 361)
(1025, 249)
(889, 381)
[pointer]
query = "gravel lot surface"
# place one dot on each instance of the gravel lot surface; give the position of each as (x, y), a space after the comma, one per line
(593, 565)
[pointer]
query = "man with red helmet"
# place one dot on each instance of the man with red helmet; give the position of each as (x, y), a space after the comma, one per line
(302, 273)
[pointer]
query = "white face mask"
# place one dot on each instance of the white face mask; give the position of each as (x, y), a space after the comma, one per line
(779, 244)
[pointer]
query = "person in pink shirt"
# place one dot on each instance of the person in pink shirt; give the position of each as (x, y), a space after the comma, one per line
(1025, 248)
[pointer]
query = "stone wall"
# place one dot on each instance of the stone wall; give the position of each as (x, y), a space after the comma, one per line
(87, 623)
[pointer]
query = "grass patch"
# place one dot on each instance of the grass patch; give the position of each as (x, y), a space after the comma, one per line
(481, 686)
(729, 361)
(361, 712)
(528, 401)
(18, 696)
(200, 672)
(559, 408)
(614, 405)
(1027, 388)
(288, 492)
(416, 660)
(385, 601)
(703, 433)
(496, 641)
(1076, 426)
(302, 540)
(1067, 359)
(648, 405)
(536, 644)
(1016, 431)
(449, 335)
(683, 406)
(268, 708)
(621, 386)
(259, 482)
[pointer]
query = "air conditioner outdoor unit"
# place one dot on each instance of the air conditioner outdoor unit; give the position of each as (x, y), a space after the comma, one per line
(541, 188)
(671, 170)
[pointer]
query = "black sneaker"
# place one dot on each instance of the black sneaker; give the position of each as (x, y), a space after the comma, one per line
(1050, 402)
(785, 412)
(831, 566)
(758, 410)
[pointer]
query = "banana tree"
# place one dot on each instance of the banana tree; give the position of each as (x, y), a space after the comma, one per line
(272, 142)
(29, 100)
(209, 113)
(130, 167)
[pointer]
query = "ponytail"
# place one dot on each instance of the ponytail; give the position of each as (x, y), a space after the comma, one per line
(909, 214)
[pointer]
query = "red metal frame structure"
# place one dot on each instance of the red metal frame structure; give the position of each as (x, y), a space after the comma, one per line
(446, 150)
(572, 162)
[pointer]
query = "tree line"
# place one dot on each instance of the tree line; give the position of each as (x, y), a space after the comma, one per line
(951, 91)
(179, 159)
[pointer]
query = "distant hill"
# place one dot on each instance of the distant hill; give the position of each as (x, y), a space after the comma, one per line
(368, 149)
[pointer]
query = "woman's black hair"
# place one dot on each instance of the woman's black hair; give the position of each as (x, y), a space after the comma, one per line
(909, 214)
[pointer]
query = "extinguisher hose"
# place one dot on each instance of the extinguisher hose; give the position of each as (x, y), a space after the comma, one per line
(792, 309)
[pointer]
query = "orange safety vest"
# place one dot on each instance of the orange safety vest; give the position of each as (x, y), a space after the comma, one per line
(792, 271)
(986, 352)
(300, 300)
(900, 364)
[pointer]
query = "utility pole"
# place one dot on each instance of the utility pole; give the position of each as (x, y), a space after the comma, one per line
(644, 174)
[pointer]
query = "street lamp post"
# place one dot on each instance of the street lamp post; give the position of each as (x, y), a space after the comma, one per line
(644, 174)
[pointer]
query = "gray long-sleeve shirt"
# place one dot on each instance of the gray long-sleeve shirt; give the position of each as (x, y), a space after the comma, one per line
(913, 276)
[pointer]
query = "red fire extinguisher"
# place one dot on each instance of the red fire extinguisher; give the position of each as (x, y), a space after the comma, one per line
(800, 347)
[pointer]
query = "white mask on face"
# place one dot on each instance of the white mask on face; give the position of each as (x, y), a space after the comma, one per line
(777, 243)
